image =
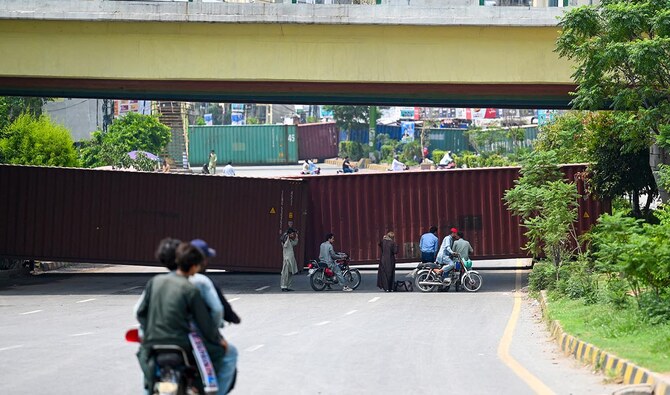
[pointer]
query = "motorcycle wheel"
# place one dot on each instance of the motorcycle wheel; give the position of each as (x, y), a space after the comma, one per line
(352, 278)
(316, 280)
(472, 281)
(424, 276)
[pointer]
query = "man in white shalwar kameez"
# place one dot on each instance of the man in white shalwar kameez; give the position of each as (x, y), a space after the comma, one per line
(290, 267)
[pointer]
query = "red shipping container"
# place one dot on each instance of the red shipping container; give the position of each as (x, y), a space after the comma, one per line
(317, 141)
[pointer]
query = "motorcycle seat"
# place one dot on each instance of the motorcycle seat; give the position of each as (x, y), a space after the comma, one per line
(169, 359)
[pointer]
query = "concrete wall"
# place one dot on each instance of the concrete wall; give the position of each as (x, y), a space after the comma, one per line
(80, 116)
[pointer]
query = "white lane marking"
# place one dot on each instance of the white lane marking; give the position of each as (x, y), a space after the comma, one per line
(131, 288)
(31, 312)
(291, 333)
(322, 323)
(262, 288)
(81, 334)
(233, 299)
(254, 348)
(10, 348)
(376, 298)
(86, 300)
(351, 312)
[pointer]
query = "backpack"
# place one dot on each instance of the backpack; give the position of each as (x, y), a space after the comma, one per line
(205, 170)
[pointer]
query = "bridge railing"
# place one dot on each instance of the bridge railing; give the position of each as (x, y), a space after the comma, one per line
(417, 3)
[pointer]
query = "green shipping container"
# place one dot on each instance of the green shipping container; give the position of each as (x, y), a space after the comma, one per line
(453, 140)
(244, 144)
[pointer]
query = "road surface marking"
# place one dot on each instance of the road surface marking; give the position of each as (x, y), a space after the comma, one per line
(31, 312)
(254, 348)
(376, 298)
(351, 312)
(291, 333)
(10, 348)
(131, 288)
(503, 348)
(322, 323)
(81, 334)
(262, 288)
(86, 300)
(233, 299)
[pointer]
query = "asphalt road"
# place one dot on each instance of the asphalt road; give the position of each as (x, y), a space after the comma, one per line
(62, 333)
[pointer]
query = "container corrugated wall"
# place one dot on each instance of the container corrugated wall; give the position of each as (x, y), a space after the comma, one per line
(119, 217)
(317, 141)
(80, 215)
(393, 131)
(453, 140)
(360, 208)
(244, 144)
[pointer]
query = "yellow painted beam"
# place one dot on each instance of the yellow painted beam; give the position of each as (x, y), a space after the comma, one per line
(281, 52)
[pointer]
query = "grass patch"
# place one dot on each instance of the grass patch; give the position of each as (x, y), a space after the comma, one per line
(624, 333)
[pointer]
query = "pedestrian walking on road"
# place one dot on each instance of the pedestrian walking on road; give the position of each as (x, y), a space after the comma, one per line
(289, 266)
(386, 272)
(212, 163)
(428, 245)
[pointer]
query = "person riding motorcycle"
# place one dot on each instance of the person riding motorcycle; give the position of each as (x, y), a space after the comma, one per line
(328, 256)
(445, 254)
(169, 304)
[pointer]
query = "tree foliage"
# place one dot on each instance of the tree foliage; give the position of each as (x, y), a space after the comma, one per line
(619, 157)
(547, 205)
(132, 132)
(622, 53)
(567, 136)
(350, 117)
(13, 106)
(31, 140)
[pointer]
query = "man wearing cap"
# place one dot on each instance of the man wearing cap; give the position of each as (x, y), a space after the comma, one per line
(445, 253)
(214, 302)
(289, 266)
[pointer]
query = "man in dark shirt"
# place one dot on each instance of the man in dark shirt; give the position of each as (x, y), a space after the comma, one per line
(169, 303)
(346, 166)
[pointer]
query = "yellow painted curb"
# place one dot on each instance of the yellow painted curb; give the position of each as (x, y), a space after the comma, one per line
(601, 360)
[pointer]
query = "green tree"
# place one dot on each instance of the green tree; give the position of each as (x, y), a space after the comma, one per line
(621, 49)
(350, 117)
(132, 132)
(619, 154)
(547, 205)
(567, 136)
(13, 106)
(31, 140)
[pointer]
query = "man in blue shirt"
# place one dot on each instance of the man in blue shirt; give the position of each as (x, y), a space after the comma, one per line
(428, 245)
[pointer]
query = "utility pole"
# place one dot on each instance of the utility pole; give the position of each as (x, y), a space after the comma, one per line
(107, 113)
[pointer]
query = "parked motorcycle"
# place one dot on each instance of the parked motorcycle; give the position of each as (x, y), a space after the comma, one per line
(427, 278)
(322, 277)
(178, 372)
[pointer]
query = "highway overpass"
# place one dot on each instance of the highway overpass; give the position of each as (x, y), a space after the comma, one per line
(284, 53)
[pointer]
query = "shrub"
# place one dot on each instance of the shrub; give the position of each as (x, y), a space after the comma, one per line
(37, 141)
(411, 153)
(543, 276)
(352, 149)
(656, 307)
(437, 155)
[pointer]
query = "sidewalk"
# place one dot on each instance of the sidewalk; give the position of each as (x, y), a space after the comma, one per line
(479, 264)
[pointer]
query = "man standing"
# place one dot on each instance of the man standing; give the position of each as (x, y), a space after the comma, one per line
(212, 163)
(228, 170)
(327, 255)
(462, 247)
(289, 267)
(428, 245)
